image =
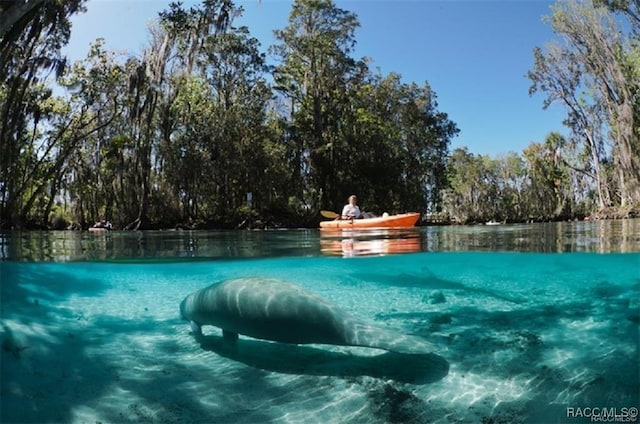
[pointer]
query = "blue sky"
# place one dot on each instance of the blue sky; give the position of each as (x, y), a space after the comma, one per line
(474, 53)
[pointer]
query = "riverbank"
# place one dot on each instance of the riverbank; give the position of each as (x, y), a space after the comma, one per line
(309, 221)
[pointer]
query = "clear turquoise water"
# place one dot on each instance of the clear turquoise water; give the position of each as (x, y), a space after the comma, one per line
(524, 332)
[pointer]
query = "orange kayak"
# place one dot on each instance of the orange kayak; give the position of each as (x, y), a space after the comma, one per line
(404, 220)
(98, 229)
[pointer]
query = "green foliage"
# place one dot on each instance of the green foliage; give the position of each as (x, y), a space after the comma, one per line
(181, 133)
(595, 74)
(61, 217)
(353, 131)
(34, 131)
(542, 183)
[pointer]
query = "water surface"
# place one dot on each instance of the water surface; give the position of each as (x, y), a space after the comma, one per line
(601, 236)
(532, 323)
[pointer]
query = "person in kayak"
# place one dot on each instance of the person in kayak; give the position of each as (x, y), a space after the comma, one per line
(351, 210)
(102, 223)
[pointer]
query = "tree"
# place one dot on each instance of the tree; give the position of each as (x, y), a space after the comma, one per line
(16, 15)
(314, 73)
(549, 194)
(399, 144)
(180, 133)
(596, 75)
(29, 52)
(631, 8)
(219, 114)
(183, 33)
(97, 168)
(464, 200)
(354, 131)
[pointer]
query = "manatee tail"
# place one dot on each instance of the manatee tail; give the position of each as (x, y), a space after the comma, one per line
(363, 334)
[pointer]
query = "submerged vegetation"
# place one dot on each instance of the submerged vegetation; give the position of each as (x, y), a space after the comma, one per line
(199, 130)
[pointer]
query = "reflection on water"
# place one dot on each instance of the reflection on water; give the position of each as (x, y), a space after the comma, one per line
(159, 245)
(600, 236)
(364, 242)
(621, 236)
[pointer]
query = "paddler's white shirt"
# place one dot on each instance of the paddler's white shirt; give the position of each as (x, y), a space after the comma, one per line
(351, 210)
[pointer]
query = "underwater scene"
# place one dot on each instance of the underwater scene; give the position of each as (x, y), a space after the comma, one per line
(519, 324)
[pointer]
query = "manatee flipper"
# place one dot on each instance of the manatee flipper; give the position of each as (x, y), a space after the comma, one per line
(196, 328)
(229, 336)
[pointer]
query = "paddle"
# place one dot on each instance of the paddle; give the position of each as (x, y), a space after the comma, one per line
(329, 214)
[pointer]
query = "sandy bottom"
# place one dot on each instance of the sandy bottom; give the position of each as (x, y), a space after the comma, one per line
(522, 338)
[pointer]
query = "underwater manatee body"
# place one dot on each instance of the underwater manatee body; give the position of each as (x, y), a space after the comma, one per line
(272, 309)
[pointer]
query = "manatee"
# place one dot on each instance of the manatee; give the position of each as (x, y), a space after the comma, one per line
(276, 310)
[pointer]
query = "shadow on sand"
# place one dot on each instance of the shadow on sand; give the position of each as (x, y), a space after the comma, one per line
(295, 359)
